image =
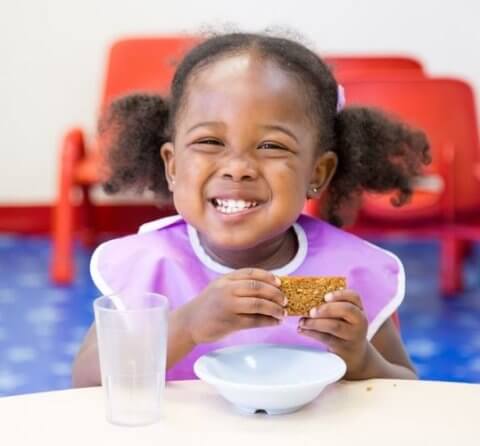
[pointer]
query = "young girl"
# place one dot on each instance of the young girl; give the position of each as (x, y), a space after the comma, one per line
(253, 127)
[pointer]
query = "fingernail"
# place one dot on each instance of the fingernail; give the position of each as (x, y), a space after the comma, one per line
(313, 312)
(328, 297)
(285, 313)
(278, 282)
(285, 301)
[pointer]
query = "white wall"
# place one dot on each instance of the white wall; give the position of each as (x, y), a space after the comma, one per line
(52, 57)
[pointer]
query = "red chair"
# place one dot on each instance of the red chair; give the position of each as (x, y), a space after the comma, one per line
(365, 74)
(133, 65)
(354, 68)
(448, 193)
(344, 66)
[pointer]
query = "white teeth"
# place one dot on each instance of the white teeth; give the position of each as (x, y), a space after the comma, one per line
(229, 206)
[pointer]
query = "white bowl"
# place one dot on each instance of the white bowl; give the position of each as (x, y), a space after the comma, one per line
(275, 379)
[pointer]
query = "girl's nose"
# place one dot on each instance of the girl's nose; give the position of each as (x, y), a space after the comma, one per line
(239, 168)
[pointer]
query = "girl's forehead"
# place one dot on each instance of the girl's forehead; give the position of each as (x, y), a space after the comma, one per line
(244, 66)
(245, 83)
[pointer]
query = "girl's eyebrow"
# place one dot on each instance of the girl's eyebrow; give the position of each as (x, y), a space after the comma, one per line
(203, 124)
(281, 129)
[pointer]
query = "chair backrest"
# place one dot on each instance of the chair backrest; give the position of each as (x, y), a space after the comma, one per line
(365, 74)
(445, 110)
(350, 68)
(143, 64)
(340, 64)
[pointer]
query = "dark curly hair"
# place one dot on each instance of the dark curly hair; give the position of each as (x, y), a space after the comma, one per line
(375, 152)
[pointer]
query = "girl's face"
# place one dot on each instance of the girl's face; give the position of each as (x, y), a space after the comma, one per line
(244, 154)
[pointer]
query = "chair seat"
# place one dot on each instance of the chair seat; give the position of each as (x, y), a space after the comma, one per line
(423, 204)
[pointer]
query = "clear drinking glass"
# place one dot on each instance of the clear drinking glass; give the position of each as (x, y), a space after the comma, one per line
(132, 345)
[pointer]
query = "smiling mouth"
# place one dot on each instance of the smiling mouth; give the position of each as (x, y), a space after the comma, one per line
(229, 206)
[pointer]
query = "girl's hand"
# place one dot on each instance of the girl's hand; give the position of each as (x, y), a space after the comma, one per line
(341, 324)
(245, 298)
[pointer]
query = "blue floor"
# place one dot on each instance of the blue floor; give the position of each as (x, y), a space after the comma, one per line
(41, 326)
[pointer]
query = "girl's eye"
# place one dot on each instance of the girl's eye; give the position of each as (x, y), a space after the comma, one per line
(209, 141)
(271, 146)
(207, 145)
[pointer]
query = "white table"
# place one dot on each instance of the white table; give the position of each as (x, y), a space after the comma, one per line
(383, 412)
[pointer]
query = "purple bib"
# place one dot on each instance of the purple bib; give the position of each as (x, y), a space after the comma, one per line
(166, 257)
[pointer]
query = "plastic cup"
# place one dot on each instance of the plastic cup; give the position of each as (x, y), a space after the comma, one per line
(132, 346)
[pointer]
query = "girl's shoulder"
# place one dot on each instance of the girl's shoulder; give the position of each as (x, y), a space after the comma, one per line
(116, 261)
(325, 238)
(150, 235)
(161, 223)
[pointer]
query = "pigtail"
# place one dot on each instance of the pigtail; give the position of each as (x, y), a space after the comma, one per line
(134, 128)
(375, 154)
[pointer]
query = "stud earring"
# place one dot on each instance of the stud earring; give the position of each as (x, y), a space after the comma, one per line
(314, 189)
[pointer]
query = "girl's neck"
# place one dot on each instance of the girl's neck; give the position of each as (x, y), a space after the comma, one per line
(269, 255)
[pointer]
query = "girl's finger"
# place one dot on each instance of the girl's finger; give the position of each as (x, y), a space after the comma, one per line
(338, 310)
(254, 274)
(335, 327)
(344, 296)
(259, 306)
(256, 288)
(333, 343)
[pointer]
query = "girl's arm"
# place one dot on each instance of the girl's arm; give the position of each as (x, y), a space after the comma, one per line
(386, 355)
(86, 368)
(342, 325)
(180, 342)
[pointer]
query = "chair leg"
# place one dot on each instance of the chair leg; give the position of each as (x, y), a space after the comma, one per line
(62, 265)
(467, 248)
(451, 268)
(88, 233)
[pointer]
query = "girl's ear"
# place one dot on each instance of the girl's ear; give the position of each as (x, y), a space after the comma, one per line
(322, 174)
(168, 155)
